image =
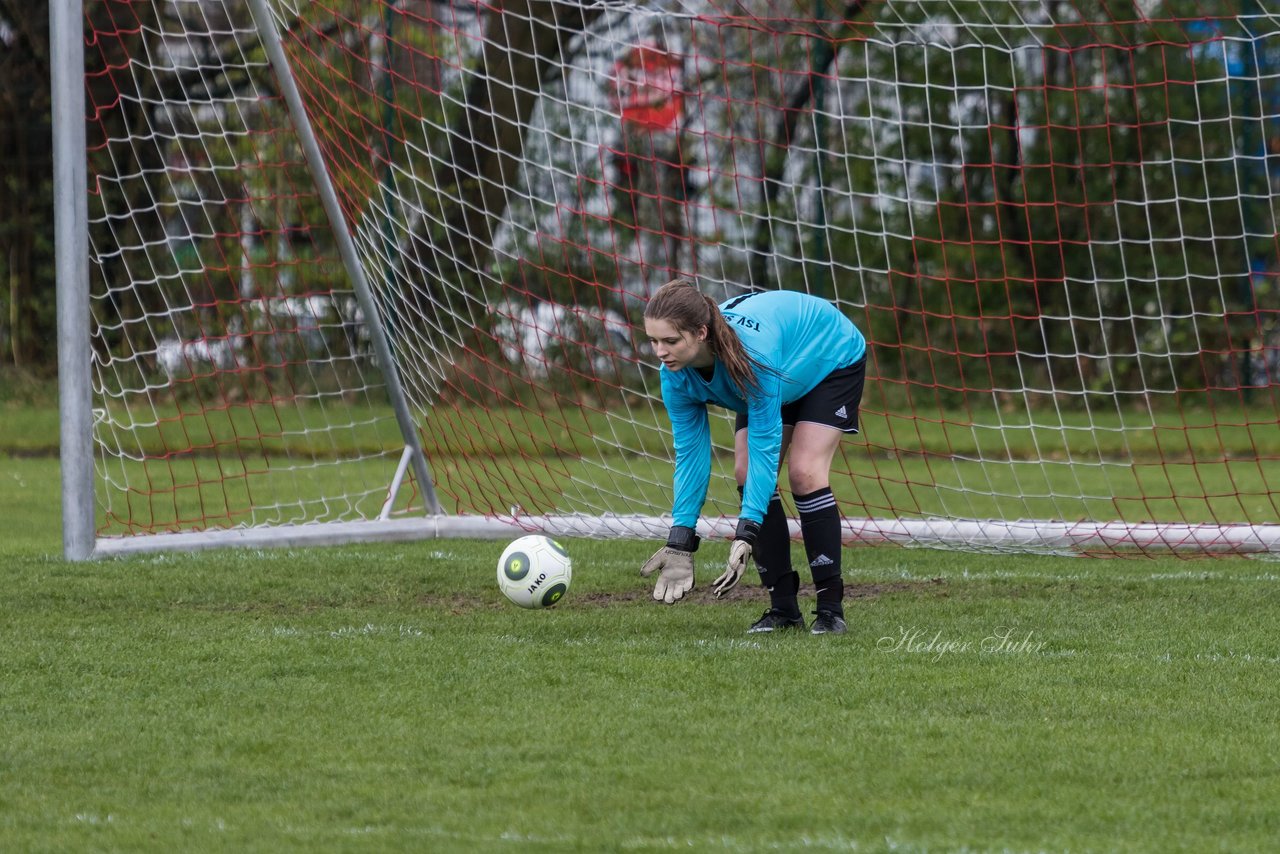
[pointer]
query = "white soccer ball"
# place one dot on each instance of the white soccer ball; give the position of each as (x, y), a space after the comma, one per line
(535, 572)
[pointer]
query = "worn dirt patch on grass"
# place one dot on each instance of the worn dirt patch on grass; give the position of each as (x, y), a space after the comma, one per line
(644, 593)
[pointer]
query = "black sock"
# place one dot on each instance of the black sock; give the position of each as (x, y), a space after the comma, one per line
(820, 527)
(783, 594)
(772, 554)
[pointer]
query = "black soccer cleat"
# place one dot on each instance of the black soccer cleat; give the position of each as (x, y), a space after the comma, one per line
(776, 621)
(828, 623)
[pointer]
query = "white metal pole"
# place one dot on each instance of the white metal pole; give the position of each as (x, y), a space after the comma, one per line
(401, 468)
(71, 235)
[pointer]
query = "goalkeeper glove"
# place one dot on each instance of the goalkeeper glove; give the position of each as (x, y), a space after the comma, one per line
(674, 565)
(744, 539)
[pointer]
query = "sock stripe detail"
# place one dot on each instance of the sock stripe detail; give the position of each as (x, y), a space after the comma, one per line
(818, 502)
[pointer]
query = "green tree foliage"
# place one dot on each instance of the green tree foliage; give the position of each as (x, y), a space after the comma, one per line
(26, 193)
(1049, 205)
(1049, 195)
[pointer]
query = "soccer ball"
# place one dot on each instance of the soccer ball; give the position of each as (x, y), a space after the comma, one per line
(534, 572)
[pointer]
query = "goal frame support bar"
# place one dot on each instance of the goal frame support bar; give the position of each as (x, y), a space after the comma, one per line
(974, 534)
(270, 35)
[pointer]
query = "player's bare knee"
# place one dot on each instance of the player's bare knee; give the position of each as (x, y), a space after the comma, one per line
(805, 478)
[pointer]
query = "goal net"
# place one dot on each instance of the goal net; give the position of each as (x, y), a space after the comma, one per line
(373, 268)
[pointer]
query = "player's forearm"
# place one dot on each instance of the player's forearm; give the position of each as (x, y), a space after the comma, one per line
(764, 448)
(693, 465)
(690, 493)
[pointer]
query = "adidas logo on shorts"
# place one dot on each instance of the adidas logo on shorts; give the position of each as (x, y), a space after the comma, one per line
(841, 413)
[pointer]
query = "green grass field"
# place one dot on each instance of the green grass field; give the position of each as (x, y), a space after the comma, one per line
(381, 698)
(387, 698)
(1205, 465)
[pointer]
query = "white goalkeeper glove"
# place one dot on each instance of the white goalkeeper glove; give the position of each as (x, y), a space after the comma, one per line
(674, 565)
(744, 540)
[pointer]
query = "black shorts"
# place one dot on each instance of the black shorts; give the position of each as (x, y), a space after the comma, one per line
(833, 402)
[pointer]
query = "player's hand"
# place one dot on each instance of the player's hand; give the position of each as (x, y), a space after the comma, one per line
(674, 565)
(739, 557)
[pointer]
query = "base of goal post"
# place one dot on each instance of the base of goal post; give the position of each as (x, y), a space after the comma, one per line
(1028, 536)
(392, 491)
(1067, 538)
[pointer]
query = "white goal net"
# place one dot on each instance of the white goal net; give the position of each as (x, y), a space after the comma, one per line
(372, 268)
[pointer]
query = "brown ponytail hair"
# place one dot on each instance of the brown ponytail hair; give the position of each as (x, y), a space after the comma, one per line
(688, 309)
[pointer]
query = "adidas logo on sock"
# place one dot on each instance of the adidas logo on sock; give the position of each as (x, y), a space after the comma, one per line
(841, 413)
(821, 560)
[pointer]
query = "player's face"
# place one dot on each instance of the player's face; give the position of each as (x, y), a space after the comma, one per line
(677, 349)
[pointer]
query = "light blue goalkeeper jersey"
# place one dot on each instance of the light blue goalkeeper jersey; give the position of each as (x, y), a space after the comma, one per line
(797, 339)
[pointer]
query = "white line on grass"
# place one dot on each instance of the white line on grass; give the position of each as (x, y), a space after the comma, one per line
(1008, 575)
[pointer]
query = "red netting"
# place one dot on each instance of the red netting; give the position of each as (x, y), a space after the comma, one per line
(1054, 222)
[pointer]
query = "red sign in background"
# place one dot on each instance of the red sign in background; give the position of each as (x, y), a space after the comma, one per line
(648, 92)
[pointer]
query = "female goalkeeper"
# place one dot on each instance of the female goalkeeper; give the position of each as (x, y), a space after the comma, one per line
(791, 366)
